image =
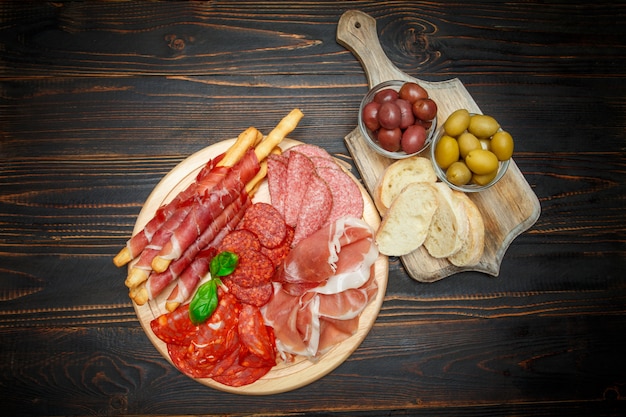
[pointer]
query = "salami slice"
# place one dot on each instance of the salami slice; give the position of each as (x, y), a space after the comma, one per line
(266, 223)
(239, 241)
(300, 168)
(277, 180)
(257, 296)
(316, 207)
(347, 198)
(321, 162)
(309, 150)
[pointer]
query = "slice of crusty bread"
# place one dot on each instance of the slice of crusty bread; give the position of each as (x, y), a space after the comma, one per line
(398, 175)
(407, 221)
(449, 227)
(472, 249)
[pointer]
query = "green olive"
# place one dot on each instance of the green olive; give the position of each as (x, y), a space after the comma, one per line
(483, 126)
(502, 145)
(458, 173)
(467, 142)
(484, 179)
(481, 162)
(457, 122)
(446, 151)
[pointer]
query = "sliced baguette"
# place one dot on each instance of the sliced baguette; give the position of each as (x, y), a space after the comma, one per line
(449, 226)
(398, 175)
(407, 221)
(473, 247)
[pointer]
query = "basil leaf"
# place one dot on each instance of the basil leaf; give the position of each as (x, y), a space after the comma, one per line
(223, 264)
(204, 302)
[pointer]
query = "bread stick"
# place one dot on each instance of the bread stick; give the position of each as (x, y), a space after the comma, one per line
(280, 132)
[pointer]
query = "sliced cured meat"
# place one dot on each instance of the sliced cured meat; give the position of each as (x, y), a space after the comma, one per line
(211, 237)
(339, 256)
(208, 207)
(253, 269)
(238, 375)
(138, 242)
(292, 322)
(300, 168)
(266, 223)
(256, 296)
(175, 327)
(278, 254)
(323, 286)
(321, 162)
(255, 336)
(315, 208)
(333, 331)
(346, 195)
(309, 150)
(239, 241)
(277, 180)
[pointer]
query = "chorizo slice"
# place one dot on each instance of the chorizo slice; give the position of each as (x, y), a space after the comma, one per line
(255, 337)
(175, 327)
(239, 241)
(278, 254)
(254, 268)
(238, 375)
(257, 296)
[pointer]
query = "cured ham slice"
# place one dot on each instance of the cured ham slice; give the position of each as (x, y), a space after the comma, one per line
(212, 236)
(323, 286)
(207, 208)
(140, 240)
(335, 258)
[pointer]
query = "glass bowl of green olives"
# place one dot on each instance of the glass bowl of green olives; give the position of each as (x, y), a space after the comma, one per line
(471, 152)
(398, 118)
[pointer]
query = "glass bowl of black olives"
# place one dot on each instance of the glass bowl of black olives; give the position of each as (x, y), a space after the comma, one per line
(398, 118)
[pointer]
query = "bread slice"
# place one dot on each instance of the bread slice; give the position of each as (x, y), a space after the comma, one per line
(449, 227)
(398, 175)
(472, 249)
(407, 221)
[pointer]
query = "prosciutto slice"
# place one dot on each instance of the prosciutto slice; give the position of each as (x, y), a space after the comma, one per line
(206, 208)
(210, 237)
(204, 180)
(323, 286)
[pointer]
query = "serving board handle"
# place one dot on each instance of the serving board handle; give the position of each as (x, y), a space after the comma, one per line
(356, 31)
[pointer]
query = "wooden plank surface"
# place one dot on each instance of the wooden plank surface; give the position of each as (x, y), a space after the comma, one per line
(97, 105)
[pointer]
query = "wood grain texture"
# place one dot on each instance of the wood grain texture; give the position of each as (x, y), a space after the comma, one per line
(97, 105)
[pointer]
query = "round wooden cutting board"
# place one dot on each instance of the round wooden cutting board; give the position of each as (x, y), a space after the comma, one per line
(284, 376)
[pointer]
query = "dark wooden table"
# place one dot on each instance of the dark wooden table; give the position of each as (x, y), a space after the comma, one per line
(98, 101)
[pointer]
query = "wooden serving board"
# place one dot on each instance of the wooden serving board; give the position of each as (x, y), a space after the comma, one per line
(284, 376)
(509, 208)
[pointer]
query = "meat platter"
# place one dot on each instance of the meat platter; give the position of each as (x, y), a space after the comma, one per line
(510, 205)
(284, 376)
